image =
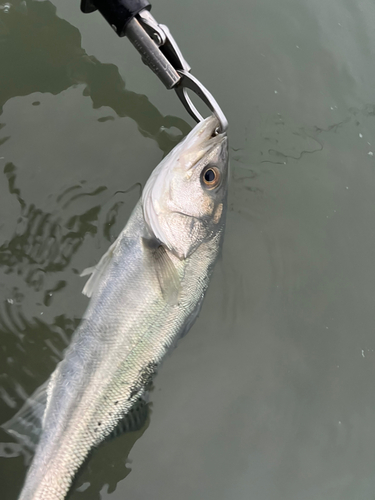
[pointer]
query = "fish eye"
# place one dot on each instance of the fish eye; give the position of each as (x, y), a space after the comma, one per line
(211, 176)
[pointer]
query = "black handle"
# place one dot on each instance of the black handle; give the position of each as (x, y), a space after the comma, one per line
(117, 12)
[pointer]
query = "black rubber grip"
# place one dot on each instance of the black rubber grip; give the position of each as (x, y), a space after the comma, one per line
(117, 12)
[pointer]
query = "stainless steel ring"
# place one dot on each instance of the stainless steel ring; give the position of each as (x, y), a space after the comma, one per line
(188, 81)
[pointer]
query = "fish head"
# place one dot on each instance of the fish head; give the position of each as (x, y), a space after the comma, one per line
(184, 200)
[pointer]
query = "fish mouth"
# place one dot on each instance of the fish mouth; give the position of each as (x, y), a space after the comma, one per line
(206, 131)
(211, 140)
(217, 147)
(202, 140)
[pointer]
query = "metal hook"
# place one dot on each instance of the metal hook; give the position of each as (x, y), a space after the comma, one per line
(188, 81)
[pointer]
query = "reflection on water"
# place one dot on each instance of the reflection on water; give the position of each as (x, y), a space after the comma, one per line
(104, 470)
(45, 242)
(42, 53)
(276, 142)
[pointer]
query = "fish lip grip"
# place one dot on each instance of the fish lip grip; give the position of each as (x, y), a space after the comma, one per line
(158, 50)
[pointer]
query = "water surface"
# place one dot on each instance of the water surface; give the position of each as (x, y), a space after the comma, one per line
(271, 395)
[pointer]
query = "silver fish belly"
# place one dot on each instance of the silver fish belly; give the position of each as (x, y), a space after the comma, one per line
(145, 293)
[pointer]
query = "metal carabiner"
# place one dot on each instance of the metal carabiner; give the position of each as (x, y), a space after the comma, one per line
(189, 81)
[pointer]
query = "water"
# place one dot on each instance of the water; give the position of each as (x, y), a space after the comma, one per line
(271, 395)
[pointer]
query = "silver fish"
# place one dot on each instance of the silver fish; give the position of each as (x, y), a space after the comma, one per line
(146, 292)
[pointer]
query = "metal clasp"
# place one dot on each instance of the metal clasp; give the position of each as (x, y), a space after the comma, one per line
(161, 53)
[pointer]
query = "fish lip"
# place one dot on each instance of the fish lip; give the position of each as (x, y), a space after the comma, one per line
(218, 140)
(204, 132)
(211, 137)
(201, 141)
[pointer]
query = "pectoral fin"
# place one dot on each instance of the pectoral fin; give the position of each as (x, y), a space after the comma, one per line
(166, 271)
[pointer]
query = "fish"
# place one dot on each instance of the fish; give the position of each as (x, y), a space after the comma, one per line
(145, 294)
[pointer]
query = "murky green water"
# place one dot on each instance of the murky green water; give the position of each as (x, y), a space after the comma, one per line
(271, 395)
